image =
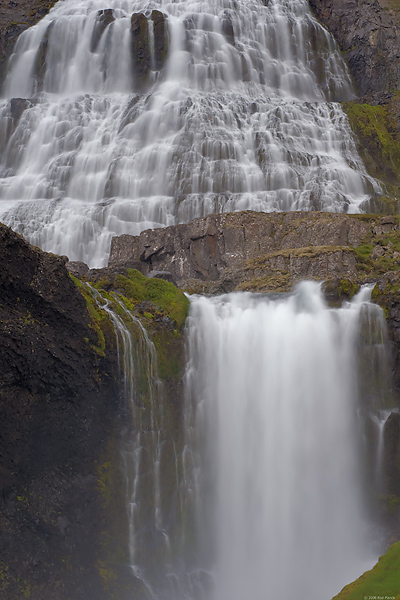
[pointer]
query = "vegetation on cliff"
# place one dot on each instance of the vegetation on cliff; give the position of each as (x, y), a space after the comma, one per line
(378, 142)
(62, 420)
(153, 311)
(383, 581)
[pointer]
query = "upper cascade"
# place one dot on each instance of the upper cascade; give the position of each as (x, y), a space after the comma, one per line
(139, 114)
(252, 47)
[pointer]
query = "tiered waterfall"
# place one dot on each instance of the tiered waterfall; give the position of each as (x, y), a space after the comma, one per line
(132, 114)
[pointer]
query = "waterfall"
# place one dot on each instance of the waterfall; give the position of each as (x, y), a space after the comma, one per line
(257, 489)
(273, 397)
(136, 114)
(148, 454)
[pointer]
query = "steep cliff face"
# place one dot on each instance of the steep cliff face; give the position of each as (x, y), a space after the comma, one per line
(368, 34)
(63, 517)
(252, 251)
(56, 413)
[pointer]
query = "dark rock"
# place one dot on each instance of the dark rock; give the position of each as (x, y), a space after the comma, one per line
(391, 459)
(140, 49)
(15, 17)
(104, 18)
(245, 250)
(77, 268)
(142, 54)
(17, 107)
(161, 39)
(227, 30)
(369, 35)
(166, 275)
(56, 416)
(41, 59)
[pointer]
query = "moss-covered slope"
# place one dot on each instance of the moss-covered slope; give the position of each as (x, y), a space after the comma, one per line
(377, 129)
(380, 583)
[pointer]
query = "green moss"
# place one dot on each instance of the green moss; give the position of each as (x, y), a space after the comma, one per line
(162, 294)
(169, 355)
(379, 146)
(274, 283)
(347, 288)
(102, 284)
(383, 581)
(98, 317)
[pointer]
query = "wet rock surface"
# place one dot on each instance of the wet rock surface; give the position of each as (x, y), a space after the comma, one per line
(15, 17)
(149, 52)
(63, 415)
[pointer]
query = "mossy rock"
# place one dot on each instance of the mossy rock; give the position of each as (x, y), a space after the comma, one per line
(162, 294)
(383, 581)
(378, 132)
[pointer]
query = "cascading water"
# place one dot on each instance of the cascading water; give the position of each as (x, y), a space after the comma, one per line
(149, 454)
(259, 491)
(277, 466)
(130, 123)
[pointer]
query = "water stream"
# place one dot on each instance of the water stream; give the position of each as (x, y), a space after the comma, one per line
(234, 107)
(259, 491)
(274, 398)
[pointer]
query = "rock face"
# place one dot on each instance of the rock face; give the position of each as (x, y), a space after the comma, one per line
(368, 34)
(149, 52)
(56, 414)
(246, 251)
(104, 19)
(63, 517)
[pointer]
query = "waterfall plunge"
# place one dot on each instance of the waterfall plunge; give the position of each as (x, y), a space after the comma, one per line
(277, 466)
(242, 117)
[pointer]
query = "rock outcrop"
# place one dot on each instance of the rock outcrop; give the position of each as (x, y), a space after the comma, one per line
(368, 33)
(149, 51)
(56, 413)
(247, 251)
(63, 517)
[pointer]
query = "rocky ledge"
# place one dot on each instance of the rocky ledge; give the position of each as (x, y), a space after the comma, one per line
(261, 252)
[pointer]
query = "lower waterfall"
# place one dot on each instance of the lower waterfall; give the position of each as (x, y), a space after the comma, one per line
(276, 445)
(260, 490)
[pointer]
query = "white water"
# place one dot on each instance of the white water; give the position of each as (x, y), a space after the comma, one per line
(249, 125)
(276, 445)
(145, 449)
